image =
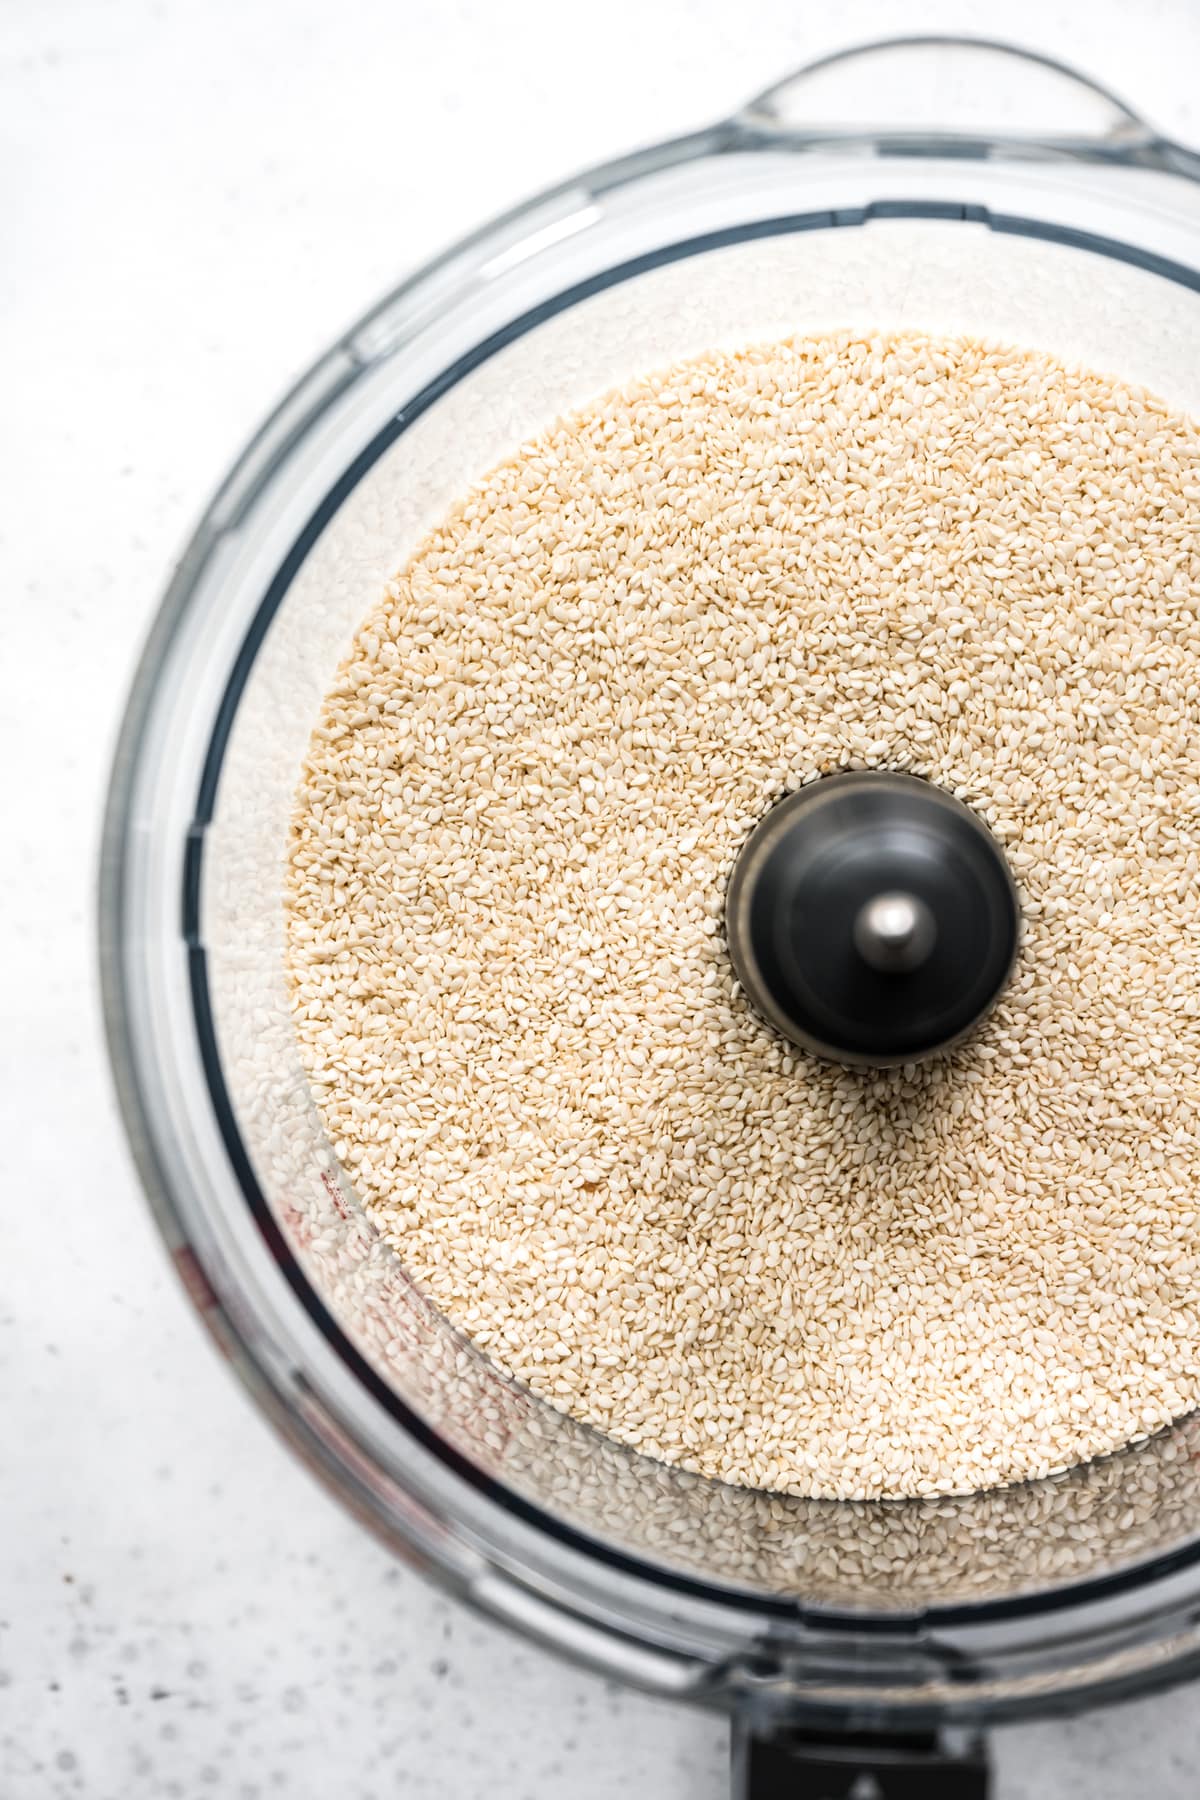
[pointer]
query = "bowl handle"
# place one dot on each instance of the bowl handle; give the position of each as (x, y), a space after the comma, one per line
(965, 91)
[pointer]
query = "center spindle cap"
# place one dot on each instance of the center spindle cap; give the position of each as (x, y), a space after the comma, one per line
(871, 918)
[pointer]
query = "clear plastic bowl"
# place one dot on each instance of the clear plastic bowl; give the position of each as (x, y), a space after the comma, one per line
(1080, 237)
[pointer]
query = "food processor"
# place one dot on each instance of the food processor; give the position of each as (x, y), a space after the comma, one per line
(862, 1648)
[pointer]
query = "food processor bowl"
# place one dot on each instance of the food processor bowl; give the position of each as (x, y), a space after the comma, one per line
(995, 194)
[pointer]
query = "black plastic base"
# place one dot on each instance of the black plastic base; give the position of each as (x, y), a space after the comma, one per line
(798, 1765)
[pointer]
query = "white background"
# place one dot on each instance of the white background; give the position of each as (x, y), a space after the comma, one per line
(194, 198)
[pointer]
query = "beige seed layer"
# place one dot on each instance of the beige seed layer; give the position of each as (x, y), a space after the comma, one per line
(520, 807)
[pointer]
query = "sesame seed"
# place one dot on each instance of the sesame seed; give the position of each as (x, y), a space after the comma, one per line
(522, 800)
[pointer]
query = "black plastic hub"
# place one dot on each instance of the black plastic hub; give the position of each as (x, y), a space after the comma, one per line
(871, 918)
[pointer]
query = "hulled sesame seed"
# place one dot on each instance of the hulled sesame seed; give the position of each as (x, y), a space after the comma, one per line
(521, 803)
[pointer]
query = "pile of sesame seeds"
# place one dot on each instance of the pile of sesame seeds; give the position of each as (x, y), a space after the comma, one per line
(521, 803)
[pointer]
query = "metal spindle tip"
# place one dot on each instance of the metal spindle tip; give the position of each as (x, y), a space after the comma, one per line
(894, 933)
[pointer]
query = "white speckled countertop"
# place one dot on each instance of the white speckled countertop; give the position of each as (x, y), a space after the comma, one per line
(193, 200)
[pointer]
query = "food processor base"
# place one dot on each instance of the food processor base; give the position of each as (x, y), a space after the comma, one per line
(805, 1765)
